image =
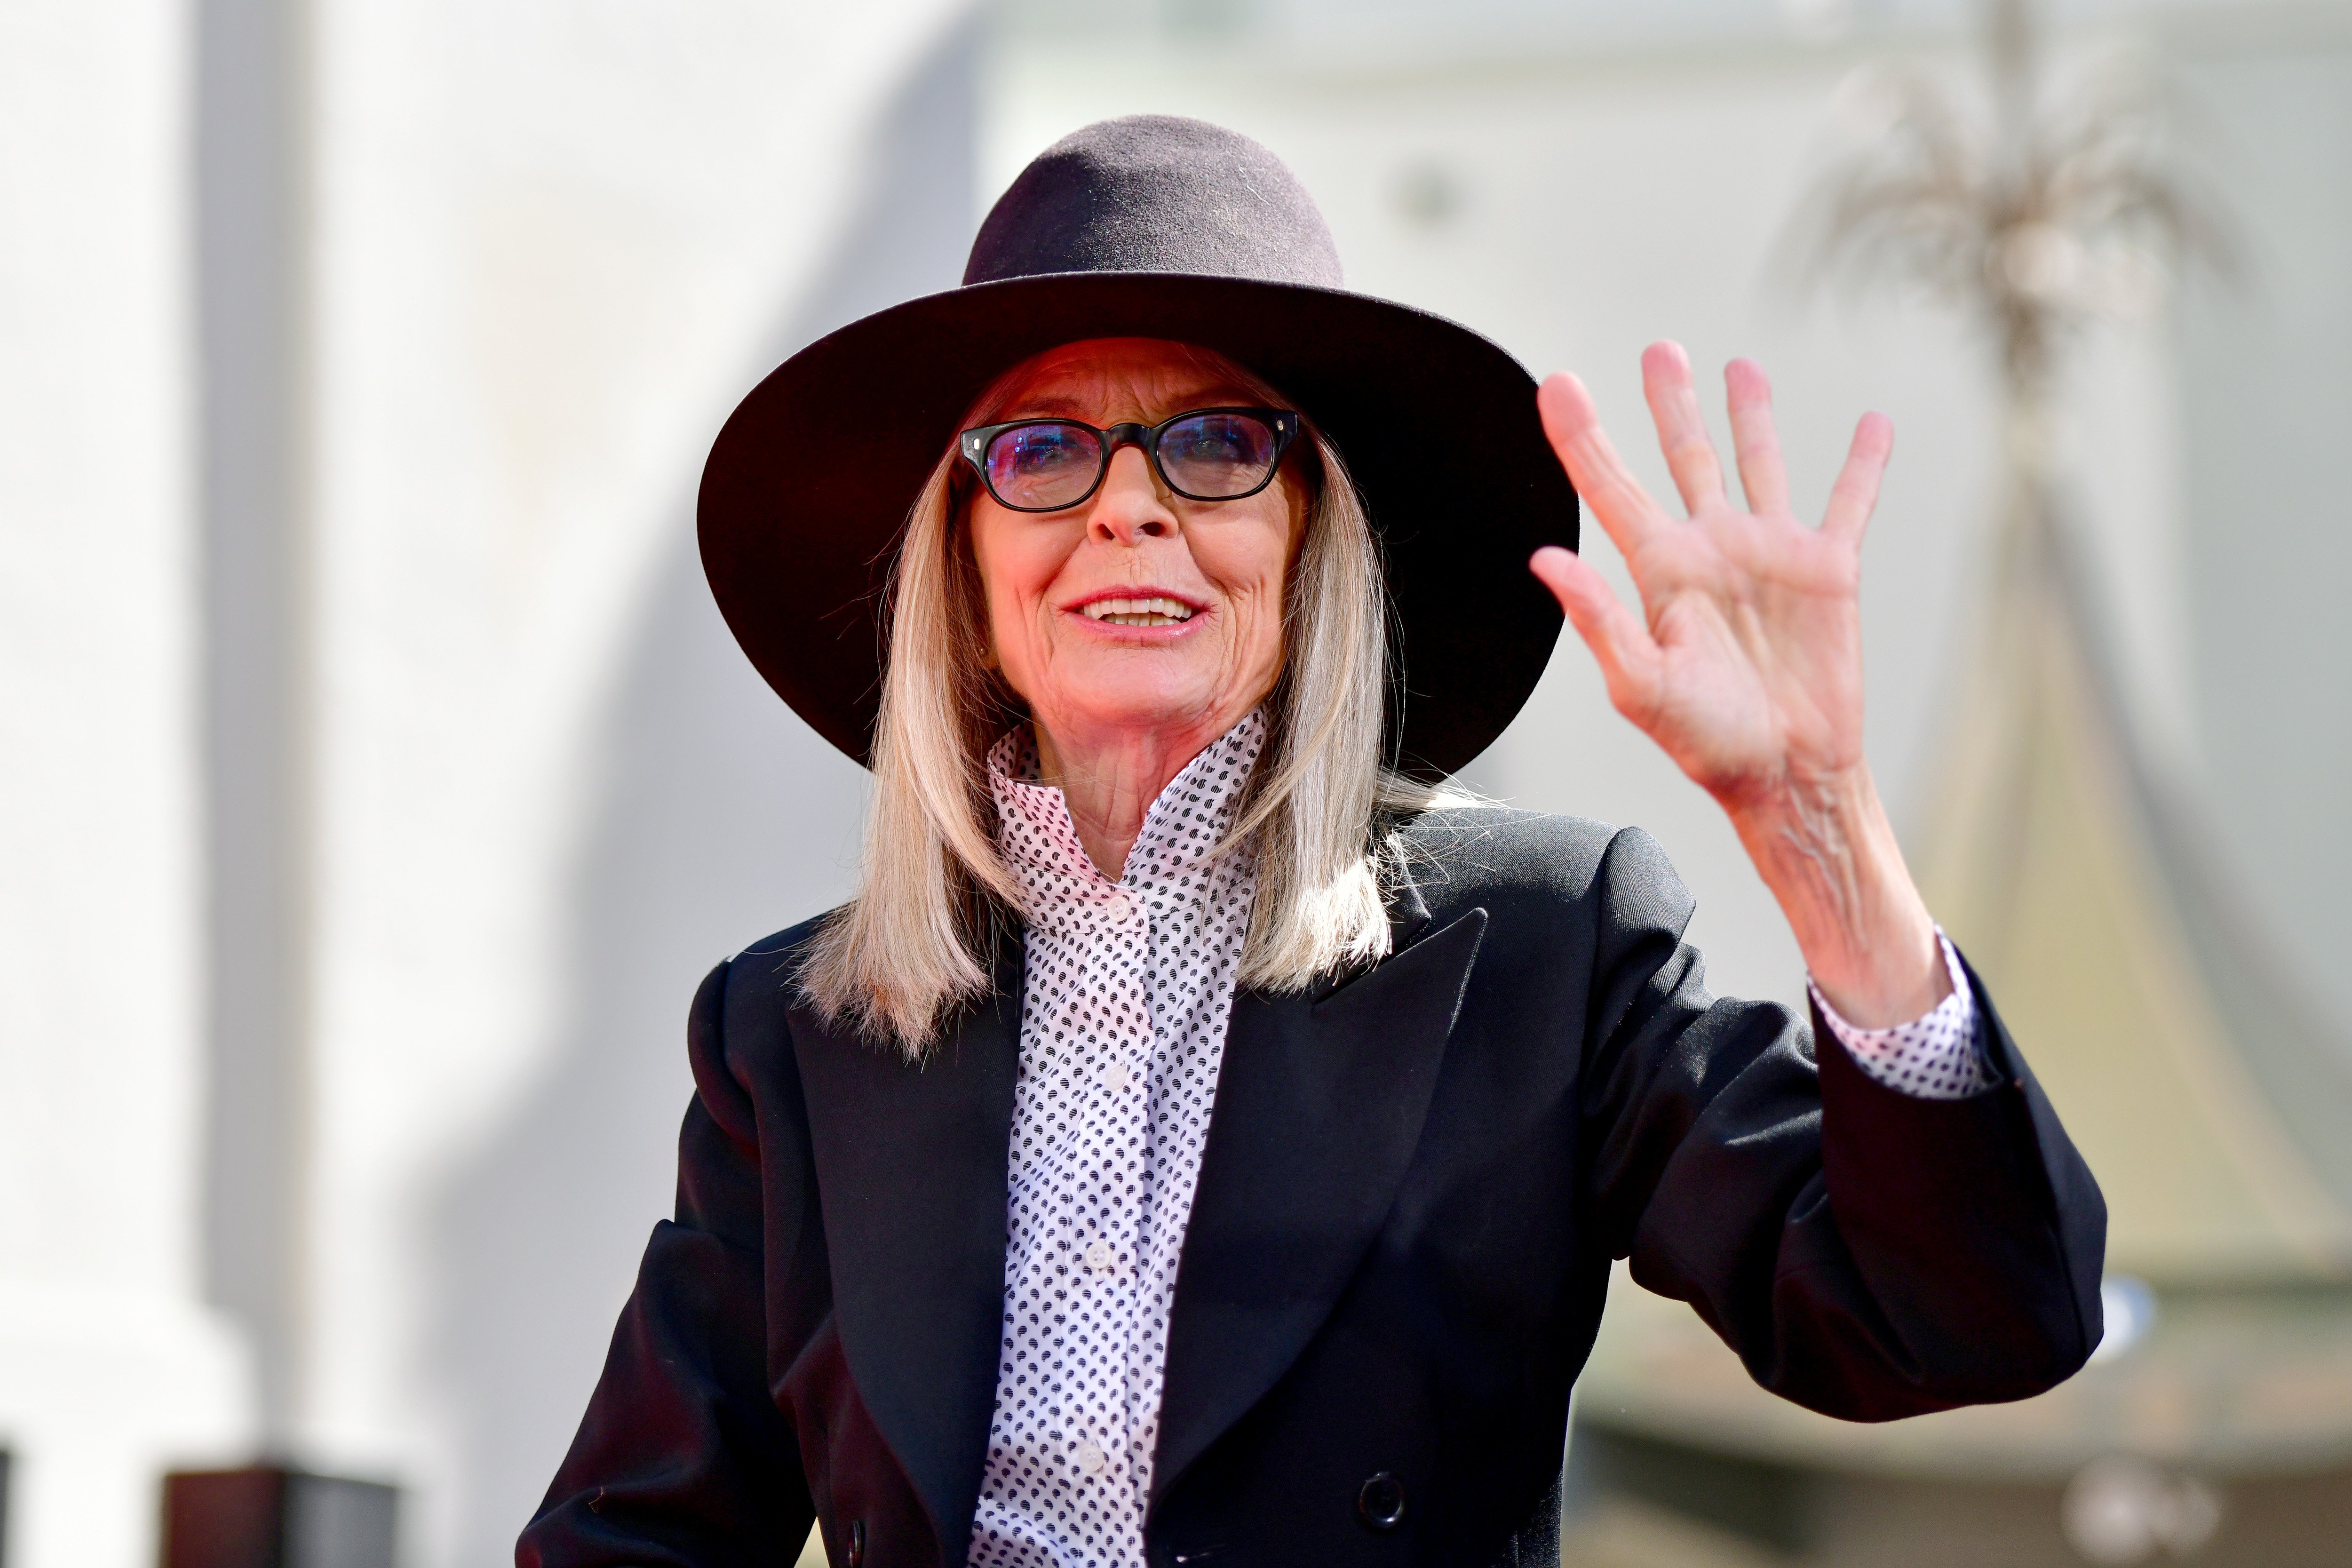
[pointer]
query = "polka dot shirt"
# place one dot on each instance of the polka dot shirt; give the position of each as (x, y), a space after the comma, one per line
(1128, 991)
(1130, 988)
(1937, 1056)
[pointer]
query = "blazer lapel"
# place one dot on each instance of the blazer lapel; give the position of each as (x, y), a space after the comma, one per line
(1319, 1106)
(910, 1165)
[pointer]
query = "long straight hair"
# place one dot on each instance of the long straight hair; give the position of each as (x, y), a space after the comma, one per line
(935, 896)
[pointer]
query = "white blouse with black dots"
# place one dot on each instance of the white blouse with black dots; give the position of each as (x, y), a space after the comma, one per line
(1129, 989)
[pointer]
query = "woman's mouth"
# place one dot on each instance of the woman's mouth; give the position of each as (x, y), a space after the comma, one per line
(1151, 612)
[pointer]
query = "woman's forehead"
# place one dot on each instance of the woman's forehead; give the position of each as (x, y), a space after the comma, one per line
(1111, 379)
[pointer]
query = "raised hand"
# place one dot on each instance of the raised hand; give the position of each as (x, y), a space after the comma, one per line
(1745, 665)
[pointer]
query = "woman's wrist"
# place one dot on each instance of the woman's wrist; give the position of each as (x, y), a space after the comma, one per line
(1824, 847)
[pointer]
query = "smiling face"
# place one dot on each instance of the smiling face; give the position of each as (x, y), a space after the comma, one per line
(1136, 614)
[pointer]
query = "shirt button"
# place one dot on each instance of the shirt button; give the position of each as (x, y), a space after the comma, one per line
(1091, 1458)
(1116, 1077)
(1099, 1257)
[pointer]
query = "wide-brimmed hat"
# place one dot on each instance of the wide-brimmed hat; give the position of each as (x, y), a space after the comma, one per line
(1149, 227)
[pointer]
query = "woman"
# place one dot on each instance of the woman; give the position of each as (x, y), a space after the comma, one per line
(1205, 1137)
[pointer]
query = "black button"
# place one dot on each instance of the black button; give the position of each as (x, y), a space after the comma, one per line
(857, 1543)
(1381, 1502)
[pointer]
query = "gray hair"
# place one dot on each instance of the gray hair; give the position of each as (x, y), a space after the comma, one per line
(935, 895)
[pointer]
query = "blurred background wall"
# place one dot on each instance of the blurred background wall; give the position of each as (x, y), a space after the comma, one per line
(376, 780)
(112, 1363)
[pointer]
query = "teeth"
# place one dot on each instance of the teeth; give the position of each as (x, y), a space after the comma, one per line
(1153, 612)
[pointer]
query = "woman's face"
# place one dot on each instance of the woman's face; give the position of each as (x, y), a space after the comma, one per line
(1055, 580)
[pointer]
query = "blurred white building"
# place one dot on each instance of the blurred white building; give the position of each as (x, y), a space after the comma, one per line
(376, 780)
(110, 1362)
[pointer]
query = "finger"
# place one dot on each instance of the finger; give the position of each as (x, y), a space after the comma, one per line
(1682, 428)
(1856, 495)
(1754, 443)
(1629, 657)
(1599, 475)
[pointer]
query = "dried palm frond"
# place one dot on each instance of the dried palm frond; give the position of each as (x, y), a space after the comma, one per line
(2035, 214)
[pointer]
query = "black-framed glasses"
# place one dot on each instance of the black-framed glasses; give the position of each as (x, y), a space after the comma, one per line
(1206, 454)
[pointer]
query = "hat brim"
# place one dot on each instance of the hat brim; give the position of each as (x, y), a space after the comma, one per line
(1437, 424)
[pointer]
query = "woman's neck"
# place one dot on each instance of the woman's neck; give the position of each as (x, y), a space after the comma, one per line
(1111, 776)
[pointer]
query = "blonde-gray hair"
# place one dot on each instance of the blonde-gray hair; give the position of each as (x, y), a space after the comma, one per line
(935, 897)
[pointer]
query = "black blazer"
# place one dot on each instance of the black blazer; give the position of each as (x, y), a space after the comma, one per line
(1413, 1187)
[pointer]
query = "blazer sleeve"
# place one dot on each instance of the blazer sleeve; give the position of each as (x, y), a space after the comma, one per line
(682, 1460)
(1868, 1254)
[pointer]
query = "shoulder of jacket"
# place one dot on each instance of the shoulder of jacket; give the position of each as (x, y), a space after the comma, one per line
(770, 964)
(1498, 846)
(789, 940)
(1523, 866)
(1533, 871)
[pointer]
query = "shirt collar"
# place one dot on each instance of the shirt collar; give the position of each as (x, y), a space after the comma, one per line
(1187, 821)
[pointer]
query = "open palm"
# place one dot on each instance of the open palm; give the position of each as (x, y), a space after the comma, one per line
(1746, 663)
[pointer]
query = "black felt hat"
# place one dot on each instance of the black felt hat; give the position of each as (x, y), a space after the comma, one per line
(1149, 227)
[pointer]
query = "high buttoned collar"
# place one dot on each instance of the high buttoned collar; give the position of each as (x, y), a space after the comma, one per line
(1188, 820)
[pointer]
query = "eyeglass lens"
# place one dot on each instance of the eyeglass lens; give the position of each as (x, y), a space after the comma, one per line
(1204, 456)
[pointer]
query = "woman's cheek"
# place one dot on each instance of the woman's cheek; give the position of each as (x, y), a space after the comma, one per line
(1257, 644)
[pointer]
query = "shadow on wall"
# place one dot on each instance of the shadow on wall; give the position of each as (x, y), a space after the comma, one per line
(723, 817)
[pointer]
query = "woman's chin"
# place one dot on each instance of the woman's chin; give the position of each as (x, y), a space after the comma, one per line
(1140, 708)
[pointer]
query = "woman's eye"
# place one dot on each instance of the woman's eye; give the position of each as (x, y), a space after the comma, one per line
(1225, 438)
(1048, 455)
(1037, 451)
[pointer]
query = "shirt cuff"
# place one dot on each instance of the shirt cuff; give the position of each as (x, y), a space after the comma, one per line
(1937, 1055)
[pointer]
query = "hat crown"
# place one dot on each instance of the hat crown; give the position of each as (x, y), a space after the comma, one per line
(1156, 193)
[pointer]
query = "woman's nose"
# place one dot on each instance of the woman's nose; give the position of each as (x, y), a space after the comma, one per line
(1130, 506)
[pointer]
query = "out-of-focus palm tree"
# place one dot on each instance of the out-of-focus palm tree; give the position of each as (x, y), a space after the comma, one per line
(2037, 211)
(2081, 875)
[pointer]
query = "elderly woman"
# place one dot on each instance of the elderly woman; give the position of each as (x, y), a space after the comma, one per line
(1205, 1137)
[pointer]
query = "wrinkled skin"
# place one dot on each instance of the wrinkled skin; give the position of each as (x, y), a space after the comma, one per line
(1119, 710)
(1745, 665)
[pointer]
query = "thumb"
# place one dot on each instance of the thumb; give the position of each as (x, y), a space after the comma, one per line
(1629, 657)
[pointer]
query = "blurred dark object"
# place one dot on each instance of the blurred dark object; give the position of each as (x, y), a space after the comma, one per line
(1635, 1500)
(5, 1458)
(270, 1517)
(1753, 1499)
